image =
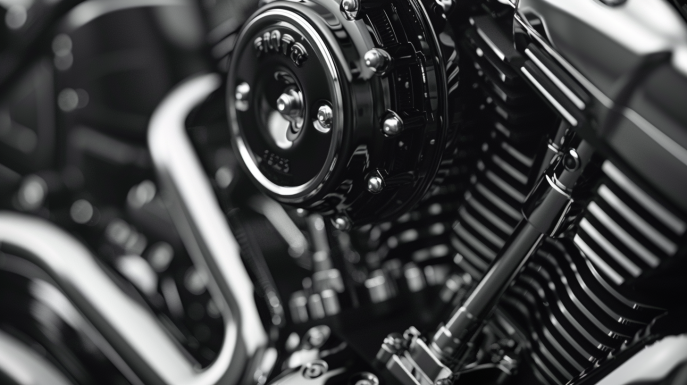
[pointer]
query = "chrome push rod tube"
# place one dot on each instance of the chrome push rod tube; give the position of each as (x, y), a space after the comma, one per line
(546, 212)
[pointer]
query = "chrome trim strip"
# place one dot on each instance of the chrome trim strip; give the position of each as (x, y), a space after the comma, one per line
(491, 44)
(668, 218)
(619, 257)
(489, 215)
(589, 86)
(467, 255)
(200, 221)
(504, 186)
(464, 235)
(481, 229)
(498, 202)
(551, 99)
(571, 95)
(598, 261)
(624, 237)
(510, 170)
(524, 159)
(637, 221)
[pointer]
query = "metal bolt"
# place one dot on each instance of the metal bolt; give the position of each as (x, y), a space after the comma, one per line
(290, 104)
(375, 184)
(377, 59)
(392, 126)
(314, 369)
(242, 94)
(341, 223)
(350, 9)
(325, 116)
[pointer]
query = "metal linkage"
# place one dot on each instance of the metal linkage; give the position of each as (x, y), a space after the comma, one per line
(547, 212)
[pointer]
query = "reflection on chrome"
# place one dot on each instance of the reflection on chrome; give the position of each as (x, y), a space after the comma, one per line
(343, 192)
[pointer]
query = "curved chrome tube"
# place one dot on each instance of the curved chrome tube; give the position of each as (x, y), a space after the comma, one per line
(23, 366)
(195, 210)
(126, 331)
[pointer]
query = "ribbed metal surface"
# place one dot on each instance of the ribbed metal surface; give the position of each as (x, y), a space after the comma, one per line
(565, 304)
(625, 231)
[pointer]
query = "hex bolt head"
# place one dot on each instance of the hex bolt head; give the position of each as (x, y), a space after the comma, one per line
(350, 9)
(392, 126)
(341, 223)
(375, 184)
(325, 116)
(377, 59)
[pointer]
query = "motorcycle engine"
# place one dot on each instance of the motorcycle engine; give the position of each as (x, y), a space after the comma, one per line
(356, 192)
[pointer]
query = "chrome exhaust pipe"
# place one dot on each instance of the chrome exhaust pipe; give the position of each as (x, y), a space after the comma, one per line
(125, 330)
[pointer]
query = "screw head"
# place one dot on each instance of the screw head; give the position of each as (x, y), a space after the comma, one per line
(341, 223)
(392, 126)
(375, 184)
(325, 116)
(288, 104)
(376, 59)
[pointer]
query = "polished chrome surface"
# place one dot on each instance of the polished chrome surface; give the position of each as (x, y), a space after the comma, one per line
(534, 274)
(23, 366)
(337, 103)
(325, 116)
(377, 59)
(653, 363)
(199, 220)
(129, 332)
(392, 126)
(375, 184)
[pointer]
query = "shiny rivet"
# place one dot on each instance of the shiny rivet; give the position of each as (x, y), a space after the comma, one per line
(341, 223)
(350, 9)
(392, 126)
(375, 184)
(376, 59)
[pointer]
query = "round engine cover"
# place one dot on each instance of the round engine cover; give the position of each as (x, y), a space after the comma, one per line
(339, 108)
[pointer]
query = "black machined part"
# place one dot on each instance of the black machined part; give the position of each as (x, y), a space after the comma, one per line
(325, 169)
